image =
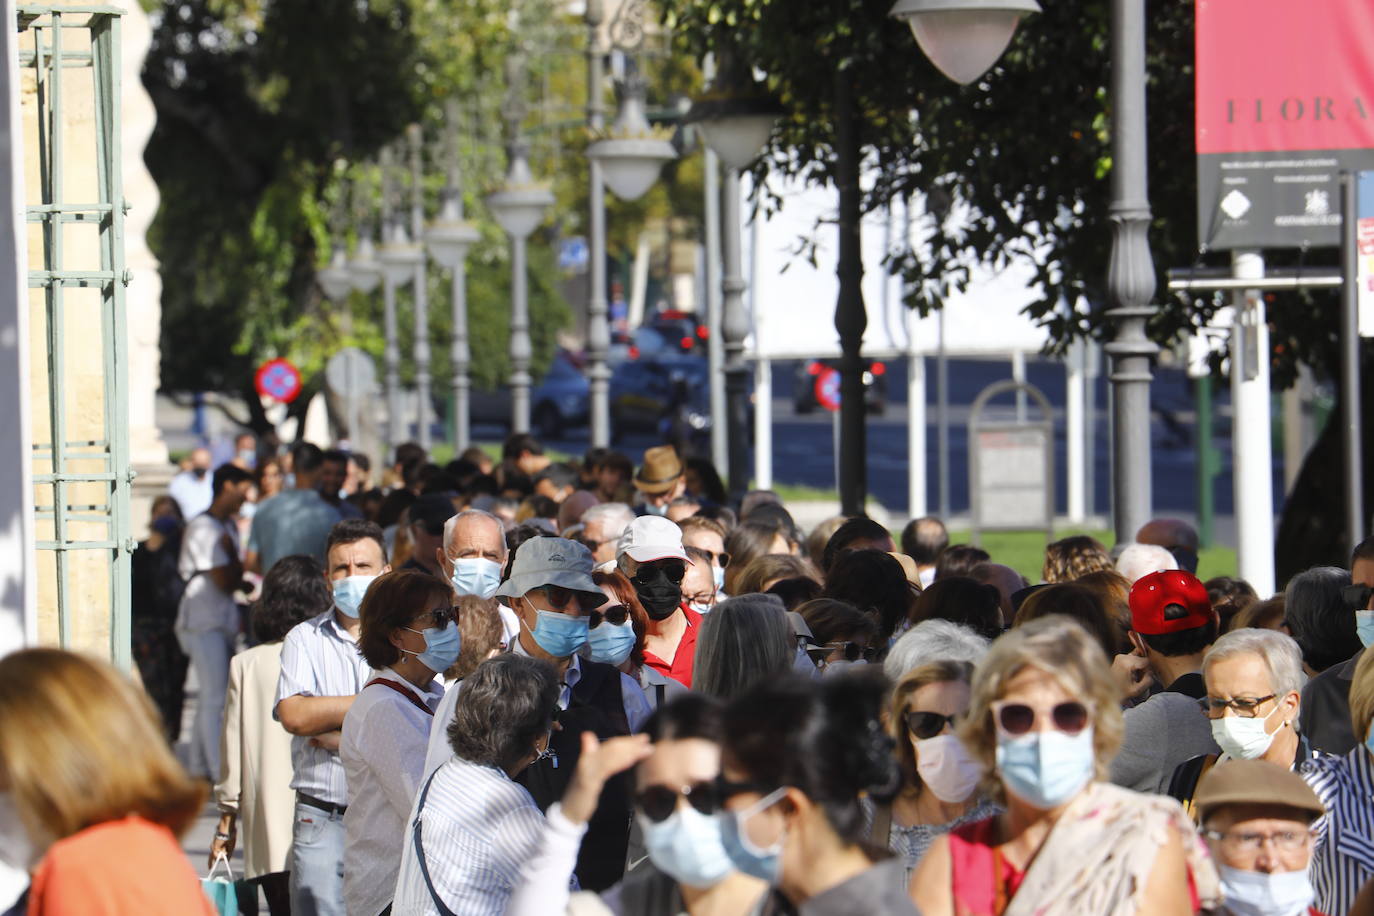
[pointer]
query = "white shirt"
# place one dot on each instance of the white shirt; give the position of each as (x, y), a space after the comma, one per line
(483, 838)
(319, 658)
(204, 606)
(193, 494)
(383, 753)
(637, 709)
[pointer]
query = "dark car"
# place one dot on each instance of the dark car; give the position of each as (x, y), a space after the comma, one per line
(808, 371)
(561, 399)
(667, 396)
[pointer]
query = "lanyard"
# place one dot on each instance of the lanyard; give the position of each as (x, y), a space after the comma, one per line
(387, 682)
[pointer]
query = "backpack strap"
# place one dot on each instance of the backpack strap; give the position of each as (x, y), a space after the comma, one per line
(879, 835)
(420, 850)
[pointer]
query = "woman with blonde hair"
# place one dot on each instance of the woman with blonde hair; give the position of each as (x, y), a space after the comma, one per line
(1044, 722)
(94, 790)
(1073, 558)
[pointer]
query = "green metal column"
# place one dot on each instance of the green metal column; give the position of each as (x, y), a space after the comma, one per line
(1207, 460)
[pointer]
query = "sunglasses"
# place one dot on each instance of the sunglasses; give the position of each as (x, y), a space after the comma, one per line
(928, 724)
(721, 559)
(726, 790)
(1069, 717)
(659, 802)
(615, 616)
(1356, 597)
(439, 618)
(675, 570)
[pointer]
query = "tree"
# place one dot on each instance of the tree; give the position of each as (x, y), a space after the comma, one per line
(1027, 149)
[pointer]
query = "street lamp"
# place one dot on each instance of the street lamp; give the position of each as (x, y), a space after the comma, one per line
(633, 153)
(364, 270)
(519, 208)
(336, 282)
(963, 38)
(736, 117)
(448, 239)
(399, 257)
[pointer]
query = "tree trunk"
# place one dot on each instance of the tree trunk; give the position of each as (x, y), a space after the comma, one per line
(850, 314)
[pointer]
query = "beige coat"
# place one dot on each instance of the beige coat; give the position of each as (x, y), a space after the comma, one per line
(255, 754)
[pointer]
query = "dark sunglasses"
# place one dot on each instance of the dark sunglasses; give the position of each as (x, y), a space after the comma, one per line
(615, 616)
(1356, 596)
(659, 802)
(440, 617)
(1069, 717)
(726, 790)
(675, 570)
(722, 558)
(928, 724)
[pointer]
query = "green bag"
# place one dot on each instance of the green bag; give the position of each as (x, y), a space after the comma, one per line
(221, 890)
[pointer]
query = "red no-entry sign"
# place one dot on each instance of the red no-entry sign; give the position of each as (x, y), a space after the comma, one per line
(278, 379)
(828, 389)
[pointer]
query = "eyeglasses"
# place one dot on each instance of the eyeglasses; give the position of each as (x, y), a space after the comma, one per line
(721, 559)
(438, 618)
(591, 543)
(1245, 707)
(1356, 596)
(614, 615)
(726, 790)
(675, 570)
(659, 802)
(928, 724)
(1069, 717)
(1286, 840)
(849, 651)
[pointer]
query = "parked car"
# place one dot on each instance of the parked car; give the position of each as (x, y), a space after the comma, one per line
(804, 391)
(561, 399)
(667, 396)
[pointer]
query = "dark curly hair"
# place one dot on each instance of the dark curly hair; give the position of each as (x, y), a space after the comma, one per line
(294, 591)
(392, 602)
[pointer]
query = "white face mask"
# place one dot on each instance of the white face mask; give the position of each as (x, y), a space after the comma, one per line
(16, 847)
(945, 766)
(1253, 893)
(1243, 739)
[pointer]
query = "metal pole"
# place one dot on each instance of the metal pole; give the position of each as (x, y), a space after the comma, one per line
(735, 327)
(1252, 451)
(763, 423)
(462, 358)
(715, 340)
(1073, 430)
(851, 318)
(1131, 277)
(1350, 363)
(1090, 373)
(520, 350)
(1204, 458)
(417, 232)
(942, 412)
(598, 330)
(394, 410)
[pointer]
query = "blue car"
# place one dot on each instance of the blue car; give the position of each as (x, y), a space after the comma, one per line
(561, 400)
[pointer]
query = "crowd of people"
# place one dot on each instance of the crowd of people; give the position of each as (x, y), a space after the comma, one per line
(536, 687)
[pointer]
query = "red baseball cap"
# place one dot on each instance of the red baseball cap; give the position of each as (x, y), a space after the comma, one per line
(1169, 601)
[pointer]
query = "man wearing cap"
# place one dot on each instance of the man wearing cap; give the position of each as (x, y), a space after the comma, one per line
(1172, 624)
(1257, 819)
(427, 517)
(660, 480)
(551, 590)
(651, 556)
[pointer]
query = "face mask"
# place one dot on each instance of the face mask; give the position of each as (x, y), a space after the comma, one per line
(840, 665)
(1364, 626)
(558, 634)
(611, 643)
(16, 849)
(348, 594)
(476, 576)
(651, 509)
(1045, 769)
(718, 576)
(1253, 893)
(1243, 739)
(660, 595)
(167, 525)
(687, 846)
(946, 768)
(701, 608)
(441, 647)
(1369, 739)
(764, 864)
(248, 457)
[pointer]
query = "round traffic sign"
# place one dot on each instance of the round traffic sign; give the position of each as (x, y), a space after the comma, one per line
(278, 379)
(351, 373)
(828, 389)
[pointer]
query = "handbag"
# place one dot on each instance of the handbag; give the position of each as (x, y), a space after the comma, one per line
(221, 890)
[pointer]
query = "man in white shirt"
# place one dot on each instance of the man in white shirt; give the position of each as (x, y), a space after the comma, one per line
(473, 559)
(207, 617)
(321, 675)
(192, 488)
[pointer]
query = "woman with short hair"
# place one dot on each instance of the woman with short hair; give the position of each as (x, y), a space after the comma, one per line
(94, 800)
(409, 635)
(1044, 721)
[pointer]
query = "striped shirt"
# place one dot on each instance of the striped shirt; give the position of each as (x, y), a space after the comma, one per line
(1343, 857)
(319, 659)
(478, 829)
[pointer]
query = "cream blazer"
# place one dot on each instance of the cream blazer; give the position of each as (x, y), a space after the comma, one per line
(255, 755)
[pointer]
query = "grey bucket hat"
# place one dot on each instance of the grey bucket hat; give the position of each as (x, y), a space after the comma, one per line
(552, 561)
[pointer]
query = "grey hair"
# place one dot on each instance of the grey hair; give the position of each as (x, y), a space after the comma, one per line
(507, 704)
(452, 524)
(934, 640)
(1139, 560)
(745, 640)
(1280, 654)
(1319, 619)
(614, 518)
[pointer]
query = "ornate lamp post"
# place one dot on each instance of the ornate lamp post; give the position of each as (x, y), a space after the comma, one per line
(399, 257)
(448, 239)
(519, 207)
(415, 139)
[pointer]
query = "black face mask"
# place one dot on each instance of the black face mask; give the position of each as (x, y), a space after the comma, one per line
(657, 591)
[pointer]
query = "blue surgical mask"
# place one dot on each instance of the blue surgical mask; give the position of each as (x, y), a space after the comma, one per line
(1364, 626)
(1253, 893)
(718, 576)
(348, 594)
(476, 576)
(701, 608)
(764, 864)
(1045, 769)
(611, 643)
(687, 846)
(442, 646)
(1369, 738)
(651, 509)
(558, 634)
(249, 457)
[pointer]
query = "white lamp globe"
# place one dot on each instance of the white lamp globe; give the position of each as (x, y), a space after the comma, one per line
(963, 38)
(336, 282)
(364, 270)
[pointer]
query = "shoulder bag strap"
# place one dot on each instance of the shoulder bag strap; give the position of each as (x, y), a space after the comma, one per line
(420, 850)
(414, 700)
(881, 833)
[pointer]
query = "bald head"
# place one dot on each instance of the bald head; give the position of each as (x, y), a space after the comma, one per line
(1174, 535)
(1006, 580)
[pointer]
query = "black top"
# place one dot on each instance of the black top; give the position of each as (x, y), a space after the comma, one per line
(1325, 715)
(1190, 685)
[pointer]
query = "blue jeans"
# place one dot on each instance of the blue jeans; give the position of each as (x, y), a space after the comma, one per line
(316, 862)
(209, 651)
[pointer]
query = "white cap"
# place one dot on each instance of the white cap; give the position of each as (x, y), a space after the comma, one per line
(649, 538)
